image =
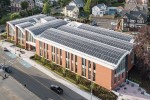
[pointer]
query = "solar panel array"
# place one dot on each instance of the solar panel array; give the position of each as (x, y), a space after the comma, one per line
(25, 24)
(98, 37)
(49, 18)
(107, 32)
(29, 19)
(38, 29)
(81, 44)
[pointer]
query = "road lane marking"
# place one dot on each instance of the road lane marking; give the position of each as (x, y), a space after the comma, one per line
(38, 81)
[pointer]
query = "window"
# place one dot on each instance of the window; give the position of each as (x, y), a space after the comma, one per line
(76, 64)
(89, 75)
(118, 77)
(115, 80)
(123, 75)
(89, 64)
(83, 67)
(60, 57)
(67, 60)
(93, 76)
(94, 66)
(71, 56)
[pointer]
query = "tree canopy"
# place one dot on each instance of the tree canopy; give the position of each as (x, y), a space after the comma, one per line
(46, 8)
(142, 49)
(14, 16)
(24, 5)
(87, 6)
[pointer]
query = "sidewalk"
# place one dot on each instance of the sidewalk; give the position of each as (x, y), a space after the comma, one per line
(63, 81)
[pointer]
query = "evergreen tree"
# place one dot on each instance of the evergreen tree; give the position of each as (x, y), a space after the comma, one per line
(46, 8)
(87, 6)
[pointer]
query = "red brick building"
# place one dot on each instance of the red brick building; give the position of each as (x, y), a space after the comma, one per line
(97, 54)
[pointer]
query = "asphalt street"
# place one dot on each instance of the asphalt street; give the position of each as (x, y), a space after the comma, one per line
(36, 81)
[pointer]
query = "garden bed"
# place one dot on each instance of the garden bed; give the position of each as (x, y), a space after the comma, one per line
(81, 82)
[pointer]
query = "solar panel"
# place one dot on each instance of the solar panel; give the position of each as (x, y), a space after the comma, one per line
(98, 37)
(49, 18)
(101, 51)
(25, 24)
(29, 19)
(38, 29)
(107, 32)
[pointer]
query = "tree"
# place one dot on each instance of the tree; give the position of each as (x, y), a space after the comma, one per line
(87, 6)
(141, 50)
(23, 13)
(46, 8)
(14, 16)
(24, 5)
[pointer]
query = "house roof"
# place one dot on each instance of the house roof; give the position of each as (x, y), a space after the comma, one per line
(134, 15)
(78, 1)
(19, 1)
(68, 7)
(100, 5)
(96, 50)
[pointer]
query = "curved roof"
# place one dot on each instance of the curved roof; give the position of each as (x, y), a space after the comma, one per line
(49, 18)
(27, 19)
(98, 37)
(21, 26)
(38, 29)
(107, 32)
(102, 52)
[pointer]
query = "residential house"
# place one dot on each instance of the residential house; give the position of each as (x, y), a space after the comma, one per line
(77, 3)
(99, 10)
(137, 1)
(134, 20)
(16, 4)
(39, 3)
(134, 5)
(71, 11)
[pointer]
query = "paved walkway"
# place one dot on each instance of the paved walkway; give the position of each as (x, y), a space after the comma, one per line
(131, 91)
(65, 82)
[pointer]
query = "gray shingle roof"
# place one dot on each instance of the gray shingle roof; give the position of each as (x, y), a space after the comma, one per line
(70, 7)
(78, 1)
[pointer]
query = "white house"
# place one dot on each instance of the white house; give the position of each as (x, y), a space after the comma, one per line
(71, 11)
(99, 10)
(77, 3)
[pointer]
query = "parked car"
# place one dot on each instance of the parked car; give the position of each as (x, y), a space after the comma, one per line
(6, 69)
(57, 89)
(5, 49)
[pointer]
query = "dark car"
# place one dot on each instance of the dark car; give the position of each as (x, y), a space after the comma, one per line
(7, 69)
(57, 89)
(5, 49)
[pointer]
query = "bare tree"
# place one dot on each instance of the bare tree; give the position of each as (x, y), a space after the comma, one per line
(142, 49)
